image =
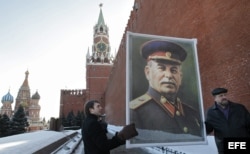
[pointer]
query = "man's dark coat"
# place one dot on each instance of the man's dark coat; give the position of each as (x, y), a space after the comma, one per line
(95, 139)
(237, 124)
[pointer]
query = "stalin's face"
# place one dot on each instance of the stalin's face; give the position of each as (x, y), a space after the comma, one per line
(163, 76)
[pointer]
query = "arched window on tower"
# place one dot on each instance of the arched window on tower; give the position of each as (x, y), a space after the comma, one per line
(101, 29)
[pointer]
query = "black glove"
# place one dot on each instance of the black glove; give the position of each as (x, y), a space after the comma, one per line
(128, 132)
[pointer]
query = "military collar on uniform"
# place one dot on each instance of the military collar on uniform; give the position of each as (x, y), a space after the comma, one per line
(171, 109)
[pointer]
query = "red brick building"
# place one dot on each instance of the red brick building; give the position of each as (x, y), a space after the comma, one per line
(98, 66)
(29, 103)
(223, 33)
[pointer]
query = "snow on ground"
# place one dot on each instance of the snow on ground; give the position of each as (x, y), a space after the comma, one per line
(30, 142)
(74, 144)
(209, 148)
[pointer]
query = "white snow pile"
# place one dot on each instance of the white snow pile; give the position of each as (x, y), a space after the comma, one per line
(30, 142)
(209, 148)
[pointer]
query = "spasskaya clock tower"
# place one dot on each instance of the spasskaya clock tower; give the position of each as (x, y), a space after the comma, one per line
(101, 47)
(99, 62)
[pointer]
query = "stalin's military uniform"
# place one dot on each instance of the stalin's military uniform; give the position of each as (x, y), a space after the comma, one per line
(152, 111)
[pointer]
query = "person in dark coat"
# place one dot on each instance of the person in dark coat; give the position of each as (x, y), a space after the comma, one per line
(94, 131)
(103, 122)
(226, 119)
(159, 109)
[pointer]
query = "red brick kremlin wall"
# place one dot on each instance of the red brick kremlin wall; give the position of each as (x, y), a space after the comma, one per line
(223, 33)
(97, 76)
(72, 100)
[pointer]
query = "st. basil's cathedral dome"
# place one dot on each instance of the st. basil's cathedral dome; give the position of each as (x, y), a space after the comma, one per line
(8, 98)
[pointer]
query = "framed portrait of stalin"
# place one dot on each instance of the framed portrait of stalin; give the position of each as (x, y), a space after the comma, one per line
(163, 91)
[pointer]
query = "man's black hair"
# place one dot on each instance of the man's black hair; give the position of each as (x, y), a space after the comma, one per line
(88, 105)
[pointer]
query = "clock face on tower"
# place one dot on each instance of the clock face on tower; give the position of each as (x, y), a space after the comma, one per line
(101, 46)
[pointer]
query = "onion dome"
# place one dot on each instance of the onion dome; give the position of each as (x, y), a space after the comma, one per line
(7, 98)
(36, 96)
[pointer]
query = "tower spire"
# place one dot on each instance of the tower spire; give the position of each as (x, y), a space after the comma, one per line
(100, 19)
(101, 47)
(25, 82)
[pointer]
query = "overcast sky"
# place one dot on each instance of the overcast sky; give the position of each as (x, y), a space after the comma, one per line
(50, 38)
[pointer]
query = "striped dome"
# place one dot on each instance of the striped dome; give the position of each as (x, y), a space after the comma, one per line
(7, 98)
